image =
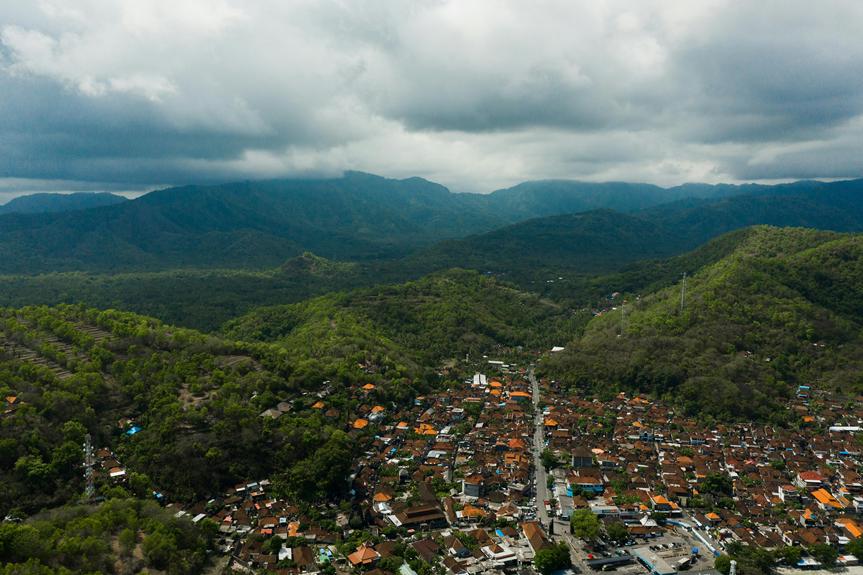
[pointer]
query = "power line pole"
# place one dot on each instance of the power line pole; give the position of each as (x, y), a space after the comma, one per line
(683, 293)
(89, 489)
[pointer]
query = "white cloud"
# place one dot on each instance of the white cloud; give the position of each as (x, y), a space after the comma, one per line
(475, 93)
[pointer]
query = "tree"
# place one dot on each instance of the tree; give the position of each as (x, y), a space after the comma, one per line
(751, 560)
(158, 548)
(855, 547)
(552, 559)
(790, 555)
(824, 554)
(717, 484)
(584, 524)
(617, 532)
(549, 459)
(723, 564)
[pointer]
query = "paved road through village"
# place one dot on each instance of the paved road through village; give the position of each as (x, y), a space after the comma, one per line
(538, 445)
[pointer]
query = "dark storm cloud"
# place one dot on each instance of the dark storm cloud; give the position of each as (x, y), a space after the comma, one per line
(474, 93)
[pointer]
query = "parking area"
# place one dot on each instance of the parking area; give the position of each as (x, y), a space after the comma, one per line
(674, 551)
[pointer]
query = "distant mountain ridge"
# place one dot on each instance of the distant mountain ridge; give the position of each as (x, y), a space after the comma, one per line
(53, 202)
(601, 241)
(255, 225)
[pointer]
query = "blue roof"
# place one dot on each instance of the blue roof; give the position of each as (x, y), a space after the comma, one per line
(133, 430)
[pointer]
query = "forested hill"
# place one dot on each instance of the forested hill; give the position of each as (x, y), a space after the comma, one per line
(553, 197)
(440, 316)
(245, 225)
(783, 309)
(47, 202)
(549, 254)
(194, 402)
(256, 225)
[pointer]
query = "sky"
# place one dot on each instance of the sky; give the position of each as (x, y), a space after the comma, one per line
(131, 95)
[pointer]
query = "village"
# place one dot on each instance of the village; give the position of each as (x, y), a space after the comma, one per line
(486, 476)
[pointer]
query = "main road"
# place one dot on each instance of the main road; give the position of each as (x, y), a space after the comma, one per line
(538, 445)
(561, 530)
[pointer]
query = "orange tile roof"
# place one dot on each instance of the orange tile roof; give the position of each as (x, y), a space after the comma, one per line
(471, 511)
(825, 497)
(293, 528)
(550, 422)
(851, 526)
(516, 443)
(364, 555)
(369, 386)
(378, 409)
(425, 429)
(361, 423)
(318, 405)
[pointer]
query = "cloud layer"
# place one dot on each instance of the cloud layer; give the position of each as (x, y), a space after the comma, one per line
(477, 94)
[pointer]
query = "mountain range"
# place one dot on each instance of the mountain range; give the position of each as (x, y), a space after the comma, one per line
(361, 217)
(50, 202)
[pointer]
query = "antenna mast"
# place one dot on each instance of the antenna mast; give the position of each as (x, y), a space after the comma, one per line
(89, 490)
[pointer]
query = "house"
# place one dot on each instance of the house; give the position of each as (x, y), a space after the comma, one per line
(364, 555)
(427, 549)
(534, 535)
(499, 555)
(661, 504)
(851, 527)
(582, 457)
(456, 548)
(472, 485)
(788, 493)
(810, 480)
(827, 502)
(470, 513)
(583, 482)
(420, 515)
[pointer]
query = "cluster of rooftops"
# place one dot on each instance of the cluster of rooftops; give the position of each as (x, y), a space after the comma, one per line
(457, 465)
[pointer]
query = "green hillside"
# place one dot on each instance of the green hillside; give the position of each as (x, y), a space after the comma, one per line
(197, 400)
(45, 202)
(439, 316)
(200, 299)
(783, 309)
(558, 255)
(122, 535)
